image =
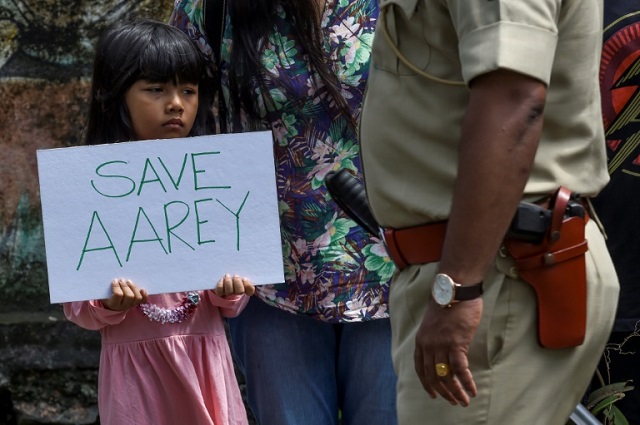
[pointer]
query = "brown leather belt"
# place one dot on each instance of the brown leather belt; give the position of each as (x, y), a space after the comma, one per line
(423, 244)
(415, 245)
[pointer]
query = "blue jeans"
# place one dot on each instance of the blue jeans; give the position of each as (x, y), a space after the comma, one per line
(301, 371)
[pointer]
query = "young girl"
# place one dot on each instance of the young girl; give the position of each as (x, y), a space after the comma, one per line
(165, 358)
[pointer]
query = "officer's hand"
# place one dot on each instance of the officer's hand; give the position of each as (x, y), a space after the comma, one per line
(444, 337)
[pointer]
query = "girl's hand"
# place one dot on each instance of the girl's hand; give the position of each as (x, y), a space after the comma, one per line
(125, 295)
(235, 285)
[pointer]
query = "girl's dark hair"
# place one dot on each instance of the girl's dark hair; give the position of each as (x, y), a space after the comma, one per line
(252, 22)
(140, 49)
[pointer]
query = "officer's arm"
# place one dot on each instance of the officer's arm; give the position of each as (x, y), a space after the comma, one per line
(500, 135)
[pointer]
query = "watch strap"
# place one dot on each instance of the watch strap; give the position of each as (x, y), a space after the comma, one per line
(468, 292)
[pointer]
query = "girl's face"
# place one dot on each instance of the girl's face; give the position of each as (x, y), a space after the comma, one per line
(162, 110)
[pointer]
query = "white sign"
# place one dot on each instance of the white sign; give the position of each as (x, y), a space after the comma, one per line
(171, 215)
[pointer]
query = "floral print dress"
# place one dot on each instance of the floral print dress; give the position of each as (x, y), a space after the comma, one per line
(334, 270)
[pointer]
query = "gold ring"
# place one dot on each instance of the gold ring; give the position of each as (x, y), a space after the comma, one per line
(442, 369)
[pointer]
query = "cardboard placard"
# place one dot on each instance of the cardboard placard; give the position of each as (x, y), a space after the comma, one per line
(172, 215)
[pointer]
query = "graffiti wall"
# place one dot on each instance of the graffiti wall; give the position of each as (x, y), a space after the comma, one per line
(46, 49)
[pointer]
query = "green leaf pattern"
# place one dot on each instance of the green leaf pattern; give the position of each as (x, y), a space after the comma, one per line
(334, 270)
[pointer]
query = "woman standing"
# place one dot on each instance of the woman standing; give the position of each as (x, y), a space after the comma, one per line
(318, 344)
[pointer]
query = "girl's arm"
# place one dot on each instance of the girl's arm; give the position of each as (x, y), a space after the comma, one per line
(231, 294)
(92, 315)
(97, 314)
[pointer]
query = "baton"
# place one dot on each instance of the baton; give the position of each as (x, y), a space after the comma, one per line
(349, 194)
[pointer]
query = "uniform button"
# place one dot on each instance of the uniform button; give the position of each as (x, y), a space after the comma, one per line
(502, 252)
(513, 272)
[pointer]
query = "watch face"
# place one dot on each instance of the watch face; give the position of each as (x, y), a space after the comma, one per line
(443, 289)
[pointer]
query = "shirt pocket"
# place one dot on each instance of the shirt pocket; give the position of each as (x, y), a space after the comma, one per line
(401, 33)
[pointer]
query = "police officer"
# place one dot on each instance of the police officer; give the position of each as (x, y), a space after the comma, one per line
(472, 107)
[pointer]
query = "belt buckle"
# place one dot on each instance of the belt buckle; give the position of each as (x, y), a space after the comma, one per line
(382, 237)
(392, 248)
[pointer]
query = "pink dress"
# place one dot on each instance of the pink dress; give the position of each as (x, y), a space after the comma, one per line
(172, 373)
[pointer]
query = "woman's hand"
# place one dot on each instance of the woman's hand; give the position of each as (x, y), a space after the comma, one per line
(235, 285)
(125, 295)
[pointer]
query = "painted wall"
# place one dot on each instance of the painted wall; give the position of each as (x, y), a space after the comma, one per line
(48, 366)
(46, 49)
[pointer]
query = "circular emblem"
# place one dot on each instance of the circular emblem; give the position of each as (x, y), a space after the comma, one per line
(620, 74)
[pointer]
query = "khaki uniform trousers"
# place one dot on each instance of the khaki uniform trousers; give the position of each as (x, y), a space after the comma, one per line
(518, 381)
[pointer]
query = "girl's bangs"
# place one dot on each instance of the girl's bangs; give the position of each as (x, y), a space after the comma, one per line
(171, 60)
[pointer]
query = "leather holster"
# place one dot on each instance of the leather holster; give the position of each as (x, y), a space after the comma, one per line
(556, 269)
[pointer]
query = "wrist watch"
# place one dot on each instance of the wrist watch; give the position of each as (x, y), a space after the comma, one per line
(446, 292)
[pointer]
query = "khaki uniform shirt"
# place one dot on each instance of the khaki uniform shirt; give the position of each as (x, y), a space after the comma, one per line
(410, 126)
